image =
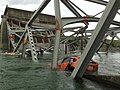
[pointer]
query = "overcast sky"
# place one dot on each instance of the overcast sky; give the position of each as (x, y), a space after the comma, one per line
(21, 4)
(89, 7)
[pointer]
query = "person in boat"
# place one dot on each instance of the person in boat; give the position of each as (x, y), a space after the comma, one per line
(67, 59)
(70, 60)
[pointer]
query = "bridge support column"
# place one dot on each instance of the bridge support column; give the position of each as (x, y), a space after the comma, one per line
(96, 38)
(4, 34)
(58, 29)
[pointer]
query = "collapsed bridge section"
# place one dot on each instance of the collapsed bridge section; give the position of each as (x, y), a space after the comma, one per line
(24, 29)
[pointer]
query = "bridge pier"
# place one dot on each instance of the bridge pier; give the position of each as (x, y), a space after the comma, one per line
(4, 34)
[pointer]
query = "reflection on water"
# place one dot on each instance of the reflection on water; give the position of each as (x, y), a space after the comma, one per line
(21, 74)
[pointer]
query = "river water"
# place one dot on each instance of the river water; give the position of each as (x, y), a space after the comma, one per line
(24, 74)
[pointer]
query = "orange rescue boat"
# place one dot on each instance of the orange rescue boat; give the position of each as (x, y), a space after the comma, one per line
(69, 63)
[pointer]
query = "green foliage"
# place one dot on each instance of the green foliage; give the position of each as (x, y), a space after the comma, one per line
(116, 43)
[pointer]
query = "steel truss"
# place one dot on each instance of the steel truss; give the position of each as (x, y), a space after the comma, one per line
(27, 34)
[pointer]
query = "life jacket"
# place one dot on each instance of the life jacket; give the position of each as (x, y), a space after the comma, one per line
(62, 66)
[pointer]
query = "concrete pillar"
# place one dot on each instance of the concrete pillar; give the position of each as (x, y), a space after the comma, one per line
(4, 34)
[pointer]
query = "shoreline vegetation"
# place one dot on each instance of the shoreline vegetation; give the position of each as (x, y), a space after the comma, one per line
(115, 46)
